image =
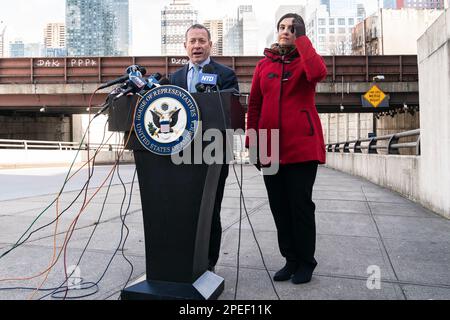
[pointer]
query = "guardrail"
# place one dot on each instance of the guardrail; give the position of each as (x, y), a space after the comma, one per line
(392, 147)
(55, 145)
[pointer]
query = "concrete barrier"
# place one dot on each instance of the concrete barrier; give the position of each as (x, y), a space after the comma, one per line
(401, 174)
(38, 158)
(398, 173)
(434, 86)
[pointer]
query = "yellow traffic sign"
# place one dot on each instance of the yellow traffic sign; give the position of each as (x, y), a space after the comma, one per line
(375, 96)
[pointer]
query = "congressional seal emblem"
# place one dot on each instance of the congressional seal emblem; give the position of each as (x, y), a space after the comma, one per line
(166, 120)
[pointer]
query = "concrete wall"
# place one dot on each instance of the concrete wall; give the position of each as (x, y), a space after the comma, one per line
(398, 173)
(434, 86)
(97, 129)
(35, 127)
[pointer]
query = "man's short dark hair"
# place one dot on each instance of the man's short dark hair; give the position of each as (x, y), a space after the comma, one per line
(198, 26)
(290, 15)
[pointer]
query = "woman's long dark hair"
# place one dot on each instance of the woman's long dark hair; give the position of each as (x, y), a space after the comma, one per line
(290, 15)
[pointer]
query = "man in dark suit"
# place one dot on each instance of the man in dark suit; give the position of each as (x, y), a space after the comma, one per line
(198, 46)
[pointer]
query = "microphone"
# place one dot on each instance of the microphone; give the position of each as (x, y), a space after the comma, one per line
(130, 69)
(154, 80)
(207, 78)
(200, 87)
(164, 81)
(137, 84)
(136, 80)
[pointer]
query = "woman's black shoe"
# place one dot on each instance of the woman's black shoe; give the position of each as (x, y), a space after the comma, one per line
(286, 272)
(304, 273)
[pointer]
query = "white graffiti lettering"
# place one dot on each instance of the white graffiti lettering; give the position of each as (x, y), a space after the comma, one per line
(83, 63)
(48, 63)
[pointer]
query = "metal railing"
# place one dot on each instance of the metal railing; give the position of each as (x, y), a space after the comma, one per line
(55, 145)
(393, 145)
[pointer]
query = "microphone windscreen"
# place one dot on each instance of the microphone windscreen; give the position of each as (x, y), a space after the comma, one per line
(209, 69)
(157, 76)
(164, 81)
(143, 70)
(200, 87)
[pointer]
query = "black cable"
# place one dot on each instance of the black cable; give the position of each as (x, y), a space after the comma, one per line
(68, 207)
(117, 164)
(245, 207)
(240, 233)
(65, 289)
(90, 175)
(53, 289)
(123, 217)
(124, 225)
(18, 243)
(59, 216)
(85, 188)
(86, 246)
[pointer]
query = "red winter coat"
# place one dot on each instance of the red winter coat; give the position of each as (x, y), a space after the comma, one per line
(287, 103)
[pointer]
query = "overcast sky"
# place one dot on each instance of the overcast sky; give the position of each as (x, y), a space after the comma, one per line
(26, 19)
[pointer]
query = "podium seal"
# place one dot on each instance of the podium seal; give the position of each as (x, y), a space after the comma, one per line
(166, 120)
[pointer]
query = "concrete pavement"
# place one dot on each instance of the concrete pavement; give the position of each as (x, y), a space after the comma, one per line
(361, 228)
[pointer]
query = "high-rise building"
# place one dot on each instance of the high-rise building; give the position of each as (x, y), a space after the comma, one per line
(91, 28)
(331, 30)
(360, 12)
(17, 49)
(247, 19)
(55, 36)
(243, 9)
(326, 3)
(416, 4)
(284, 9)
(2, 39)
(121, 9)
(389, 4)
(55, 40)
(374, 36)
(55, 52)
(176, 18)
(33, 50)
(215, 27)
(343, 8)
(232, 34)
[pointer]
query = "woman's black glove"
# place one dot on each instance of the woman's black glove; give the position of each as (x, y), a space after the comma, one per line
(298, 27)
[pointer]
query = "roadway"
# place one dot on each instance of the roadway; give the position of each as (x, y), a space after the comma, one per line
(361, 227)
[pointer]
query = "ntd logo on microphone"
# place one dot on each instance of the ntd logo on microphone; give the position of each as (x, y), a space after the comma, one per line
(208, 78)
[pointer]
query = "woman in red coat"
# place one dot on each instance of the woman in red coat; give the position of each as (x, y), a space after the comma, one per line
(282, 98)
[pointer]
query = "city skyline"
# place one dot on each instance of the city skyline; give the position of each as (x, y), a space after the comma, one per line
(146, 30)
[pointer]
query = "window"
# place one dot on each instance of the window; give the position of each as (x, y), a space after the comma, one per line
(351, 21)
(331, 30)
(331, 22)
(321, 22)
(341, 21)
